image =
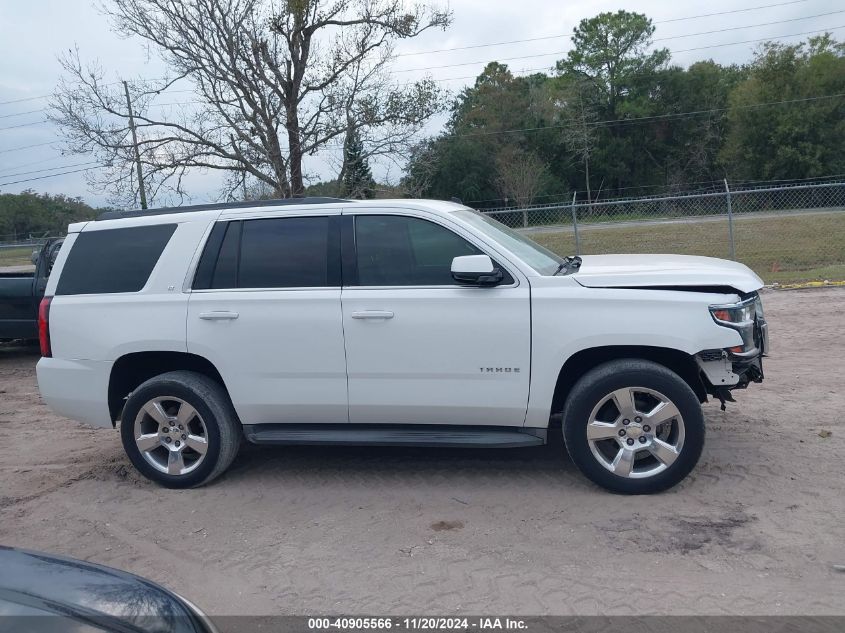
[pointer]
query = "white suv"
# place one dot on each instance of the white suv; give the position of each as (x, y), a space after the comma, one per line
(389, 322)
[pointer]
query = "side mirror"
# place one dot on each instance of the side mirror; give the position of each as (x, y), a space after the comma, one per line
(475, 270)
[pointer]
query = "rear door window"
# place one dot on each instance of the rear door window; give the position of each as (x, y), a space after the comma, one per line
(293, 252)
(113, 260)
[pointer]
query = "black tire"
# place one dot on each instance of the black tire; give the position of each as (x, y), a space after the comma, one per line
(223, 429)
(597, 384)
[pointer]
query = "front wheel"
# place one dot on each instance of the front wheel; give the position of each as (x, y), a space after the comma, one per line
(633, 426)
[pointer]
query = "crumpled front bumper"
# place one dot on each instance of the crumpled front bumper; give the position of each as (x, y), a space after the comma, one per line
(749, 364)
(723, 370)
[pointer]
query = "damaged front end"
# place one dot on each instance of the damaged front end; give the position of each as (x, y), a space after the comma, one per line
(723, 370)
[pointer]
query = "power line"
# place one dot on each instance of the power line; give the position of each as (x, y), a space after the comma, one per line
(657, 117)
(9, 116)
(26, 99)
(710, 15)
(750, 26)
(34, 162)
(685, 50)
(47, 96)
(554, 37)
(12, 127)
(39, 171)
(22, 147)
(152, 105)
(15, 182)
(31, 123)
(762, 39)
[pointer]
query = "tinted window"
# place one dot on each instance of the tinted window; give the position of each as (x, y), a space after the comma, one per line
(402, 251)
(271, 253)
(208, 259)
(225, 274)
(113, 260)
(284, 253)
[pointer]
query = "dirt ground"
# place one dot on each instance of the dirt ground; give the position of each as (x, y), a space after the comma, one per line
(756, 529)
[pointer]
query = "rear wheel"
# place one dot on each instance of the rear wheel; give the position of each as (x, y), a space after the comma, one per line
(180, 430)
(633, 426)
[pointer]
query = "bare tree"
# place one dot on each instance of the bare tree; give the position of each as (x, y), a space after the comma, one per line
(274, 81)
(520, 175)
(385, 120)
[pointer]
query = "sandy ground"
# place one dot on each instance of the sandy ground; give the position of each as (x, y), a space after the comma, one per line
(756, 529)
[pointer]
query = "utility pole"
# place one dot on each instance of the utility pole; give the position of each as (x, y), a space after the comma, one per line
(135, 146)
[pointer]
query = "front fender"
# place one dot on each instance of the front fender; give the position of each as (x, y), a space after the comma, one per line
(569, 320)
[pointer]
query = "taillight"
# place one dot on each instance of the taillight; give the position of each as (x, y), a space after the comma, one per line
(44, 327)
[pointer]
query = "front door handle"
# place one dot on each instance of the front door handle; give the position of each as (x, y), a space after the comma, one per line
(218, 315)
(373, 314)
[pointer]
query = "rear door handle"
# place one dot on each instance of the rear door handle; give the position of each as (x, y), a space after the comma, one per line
(218, 315)
(373, 314)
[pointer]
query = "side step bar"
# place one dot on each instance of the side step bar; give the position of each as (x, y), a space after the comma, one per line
(387, 435)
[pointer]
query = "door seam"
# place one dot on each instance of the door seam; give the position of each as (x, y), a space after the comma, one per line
(345, 355)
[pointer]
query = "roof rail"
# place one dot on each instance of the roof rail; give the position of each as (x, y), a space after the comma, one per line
(116, 215)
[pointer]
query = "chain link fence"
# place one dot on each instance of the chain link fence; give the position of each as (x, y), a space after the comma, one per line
(17, 254)
(786, 234)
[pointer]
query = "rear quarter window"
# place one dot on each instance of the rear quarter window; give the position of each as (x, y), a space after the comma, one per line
(113, 260)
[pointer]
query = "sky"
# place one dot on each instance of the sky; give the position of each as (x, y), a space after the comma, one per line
(34, 32)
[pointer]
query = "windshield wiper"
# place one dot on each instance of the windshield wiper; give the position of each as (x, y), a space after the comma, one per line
(570, 264)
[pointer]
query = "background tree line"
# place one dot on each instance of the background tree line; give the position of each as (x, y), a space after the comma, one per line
(616, 118)
(31, 214)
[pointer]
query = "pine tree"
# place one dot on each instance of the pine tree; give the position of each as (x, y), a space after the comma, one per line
(356, 177)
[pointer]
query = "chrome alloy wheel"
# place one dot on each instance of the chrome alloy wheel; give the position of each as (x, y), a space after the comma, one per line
(635, 432)
(170, 435)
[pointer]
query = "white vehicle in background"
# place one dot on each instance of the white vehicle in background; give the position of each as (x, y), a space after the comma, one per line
(387, 322)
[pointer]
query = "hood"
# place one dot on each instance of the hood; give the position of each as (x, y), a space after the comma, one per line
(665, 271)
(38, 583)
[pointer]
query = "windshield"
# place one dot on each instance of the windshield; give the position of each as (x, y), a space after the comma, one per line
(540, 259)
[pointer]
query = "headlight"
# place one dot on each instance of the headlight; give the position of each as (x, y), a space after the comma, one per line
(740, 317)
(735, 315)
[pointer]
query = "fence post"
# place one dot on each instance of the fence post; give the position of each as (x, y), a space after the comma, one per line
(730, 220)
(575, 225)
(524, 218)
